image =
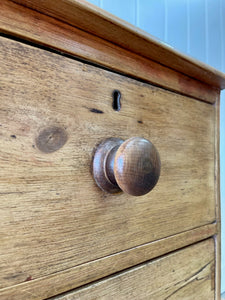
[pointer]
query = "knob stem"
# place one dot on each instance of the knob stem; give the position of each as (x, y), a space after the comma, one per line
(110, 161)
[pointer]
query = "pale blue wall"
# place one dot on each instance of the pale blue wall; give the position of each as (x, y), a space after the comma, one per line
(195, 27)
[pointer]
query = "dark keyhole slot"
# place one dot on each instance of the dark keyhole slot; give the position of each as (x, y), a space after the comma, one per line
(116, 100)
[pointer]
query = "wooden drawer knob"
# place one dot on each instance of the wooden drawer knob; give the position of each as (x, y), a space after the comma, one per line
(132, 166)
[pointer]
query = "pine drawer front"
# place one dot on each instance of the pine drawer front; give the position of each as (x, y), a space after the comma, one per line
(53, 216)
(185, 274)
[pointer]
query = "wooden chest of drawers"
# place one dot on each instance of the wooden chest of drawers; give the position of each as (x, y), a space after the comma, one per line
(63, 66)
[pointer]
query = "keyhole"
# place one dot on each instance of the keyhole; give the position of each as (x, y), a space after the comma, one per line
(116, 100)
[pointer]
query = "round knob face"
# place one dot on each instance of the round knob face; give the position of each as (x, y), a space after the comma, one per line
(137, 166)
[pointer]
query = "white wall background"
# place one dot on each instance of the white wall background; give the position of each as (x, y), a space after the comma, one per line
(195, 27)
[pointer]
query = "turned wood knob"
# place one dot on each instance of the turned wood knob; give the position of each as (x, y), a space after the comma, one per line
(132, 166)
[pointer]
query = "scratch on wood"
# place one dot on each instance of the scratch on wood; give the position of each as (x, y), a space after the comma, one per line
(188, 281)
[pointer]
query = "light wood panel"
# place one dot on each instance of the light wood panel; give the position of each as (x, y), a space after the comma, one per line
(30, 25)
(53, 215)
(92, 19)
(71, 278)
(217, 201)
(186, 274)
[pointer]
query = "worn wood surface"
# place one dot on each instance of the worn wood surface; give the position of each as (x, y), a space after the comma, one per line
(71, 278)
(137, 166)
(186, 274)
(30, 25)
(92, 19)
(53, 216)
(217, 201)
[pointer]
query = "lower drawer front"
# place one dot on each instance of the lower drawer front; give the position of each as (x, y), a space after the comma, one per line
(185, 274)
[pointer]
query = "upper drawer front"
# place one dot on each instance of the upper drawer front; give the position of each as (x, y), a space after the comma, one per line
(185, 274)
(53, 216)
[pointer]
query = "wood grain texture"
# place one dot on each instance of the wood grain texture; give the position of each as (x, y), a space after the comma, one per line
(186, 274)
(98, 22)
(217, 202)
(71, 278)
(137, 166)
(53, 215)
(30, 25)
